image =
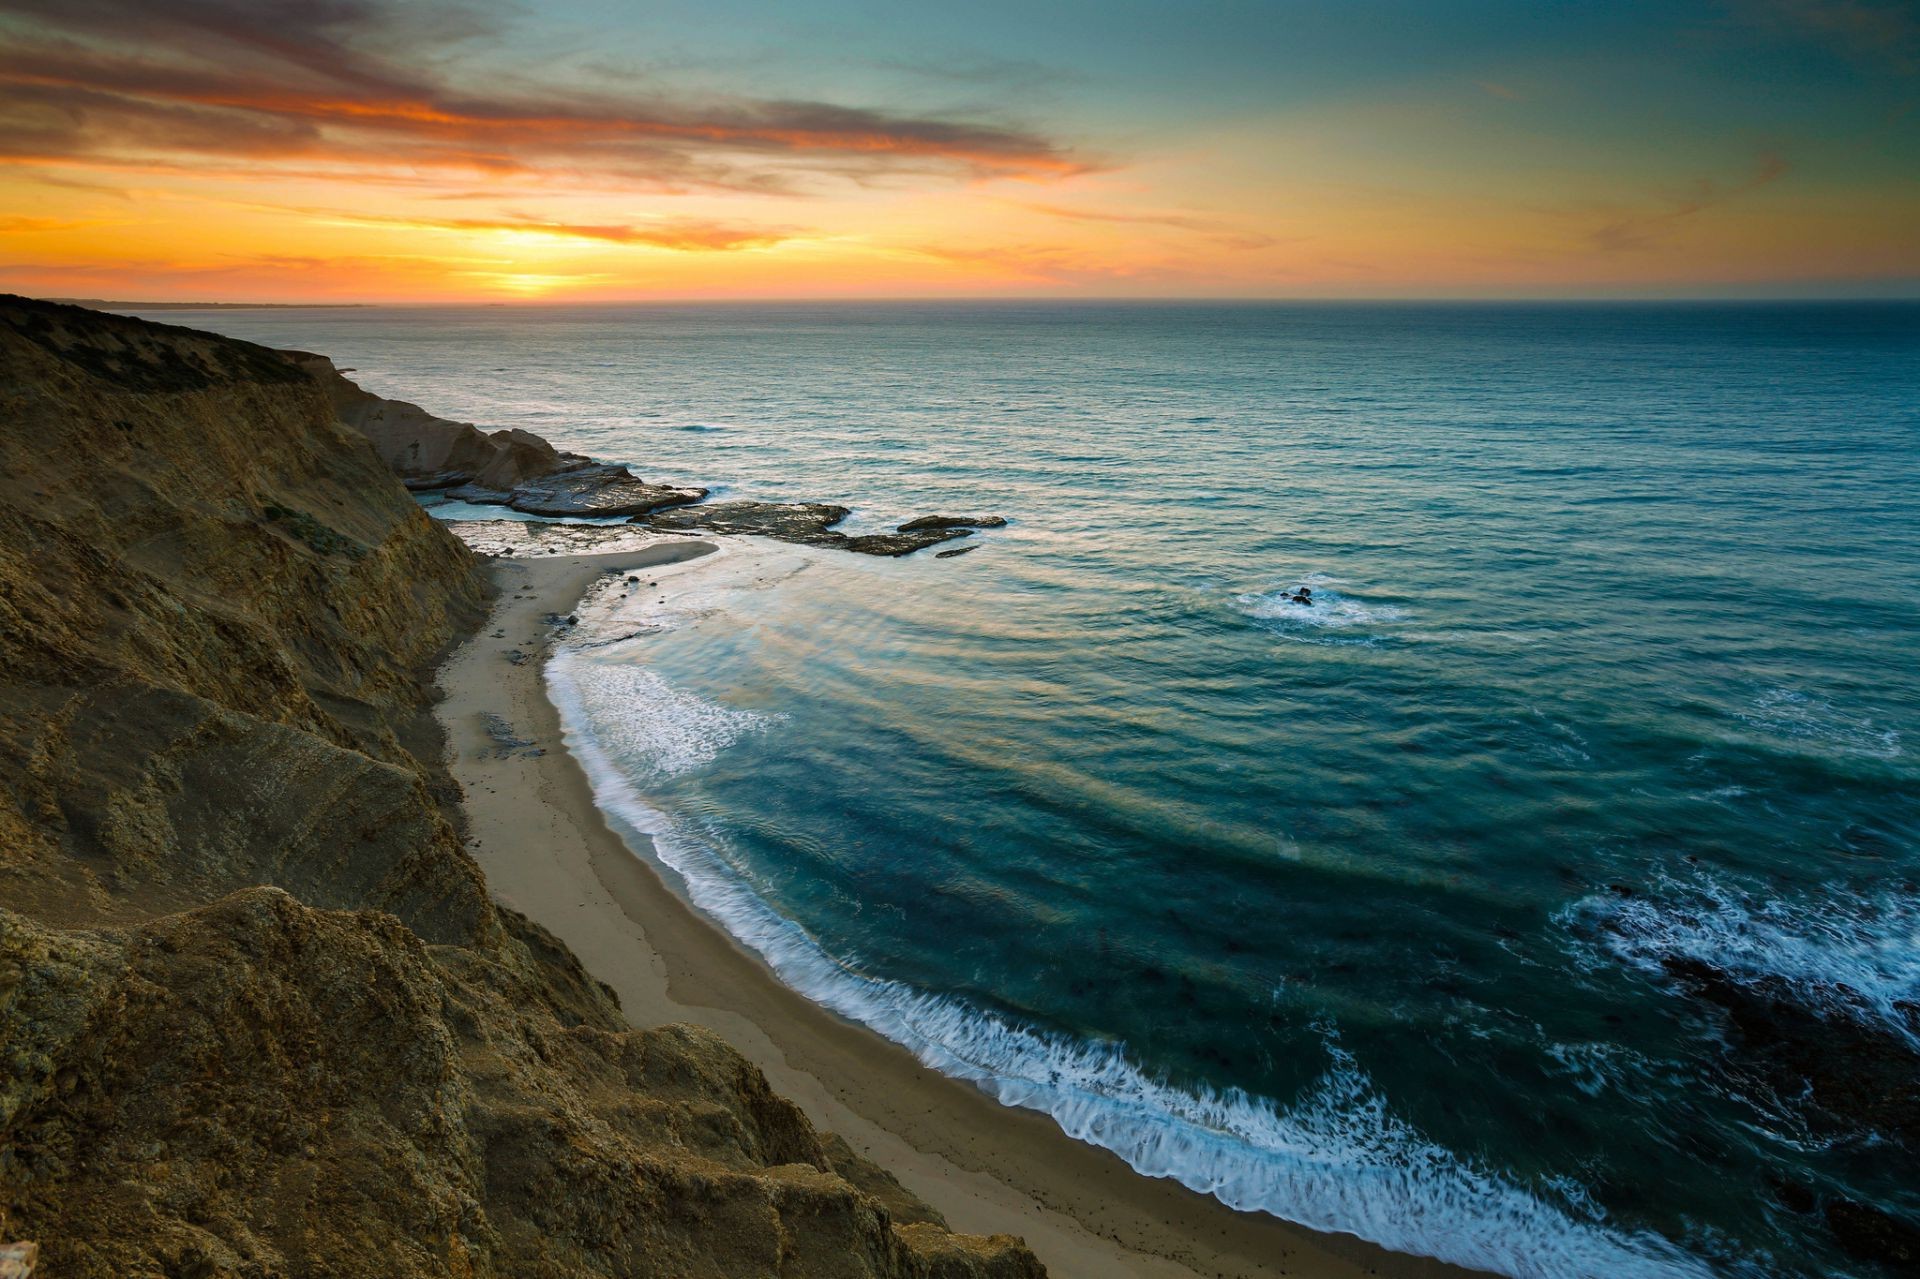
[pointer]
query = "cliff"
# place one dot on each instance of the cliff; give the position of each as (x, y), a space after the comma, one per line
(258, 1015)
(429, 452)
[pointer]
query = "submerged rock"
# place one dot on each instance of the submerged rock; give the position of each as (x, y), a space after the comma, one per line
(896, 544)
(1872, 1235)
(927, 522)
(1821, 1043)
(958, 550)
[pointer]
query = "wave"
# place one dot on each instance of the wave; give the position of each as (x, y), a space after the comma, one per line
(1801, 717)
(1332, 611)
(645, 719)
(1844, 954)
(1336, 1159)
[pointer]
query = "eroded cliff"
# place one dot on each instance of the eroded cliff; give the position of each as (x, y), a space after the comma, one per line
(258, 1016)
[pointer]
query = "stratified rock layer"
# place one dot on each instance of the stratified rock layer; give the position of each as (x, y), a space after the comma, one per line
(259, 1015)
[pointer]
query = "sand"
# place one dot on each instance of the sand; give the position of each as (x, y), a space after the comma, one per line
(548, 852)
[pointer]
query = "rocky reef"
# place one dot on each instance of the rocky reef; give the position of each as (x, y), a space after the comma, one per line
(807, 523)
(592, 490)
(260, 1016)
(523, 472)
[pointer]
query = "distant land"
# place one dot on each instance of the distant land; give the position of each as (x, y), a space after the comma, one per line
(103, 304)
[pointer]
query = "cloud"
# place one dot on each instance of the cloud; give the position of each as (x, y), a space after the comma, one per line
(1884, 34)
(23, 225)
(1634, 232)
(681, 234)
(1224, 232)
(181, 83)
(1494, 89)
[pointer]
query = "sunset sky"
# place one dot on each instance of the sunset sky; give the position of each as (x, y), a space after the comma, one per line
(376, 150)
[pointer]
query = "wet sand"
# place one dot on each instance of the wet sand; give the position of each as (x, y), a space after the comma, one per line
(548, 852)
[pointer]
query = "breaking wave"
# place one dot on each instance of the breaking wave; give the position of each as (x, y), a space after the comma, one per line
(1335, 1159)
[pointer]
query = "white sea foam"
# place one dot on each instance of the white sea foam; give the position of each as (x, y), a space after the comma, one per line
(651, 726)
(1801, 717)
(1332, 612)
(1843, 951)
(1336, 1159)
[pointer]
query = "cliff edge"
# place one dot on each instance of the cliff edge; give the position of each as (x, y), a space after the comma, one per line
(258, 1015)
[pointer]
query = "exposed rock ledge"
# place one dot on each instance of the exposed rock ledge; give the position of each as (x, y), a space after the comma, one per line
(523, 472)
(808, 523)
(261, 1018)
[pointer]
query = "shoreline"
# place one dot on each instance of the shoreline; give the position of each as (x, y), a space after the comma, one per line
(549, 852)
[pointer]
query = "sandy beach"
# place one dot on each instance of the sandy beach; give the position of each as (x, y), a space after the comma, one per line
(548, 852)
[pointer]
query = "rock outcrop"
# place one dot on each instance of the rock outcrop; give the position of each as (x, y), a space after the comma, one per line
(807, 523)
(260, 1017)
(429, 452)
(592, 490)
(927, 522)
(523, 472)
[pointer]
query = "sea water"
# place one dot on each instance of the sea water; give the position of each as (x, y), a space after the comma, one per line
(1365, 914)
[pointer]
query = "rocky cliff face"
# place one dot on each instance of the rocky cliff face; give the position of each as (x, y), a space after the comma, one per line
(429, 452)
(258, 1016)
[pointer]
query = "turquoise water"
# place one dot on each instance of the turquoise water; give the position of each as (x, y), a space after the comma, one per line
(1366, 914)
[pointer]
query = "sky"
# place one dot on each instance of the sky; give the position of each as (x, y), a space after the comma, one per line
(603, 150)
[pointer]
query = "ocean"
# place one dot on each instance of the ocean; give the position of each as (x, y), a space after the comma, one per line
(1446, 911)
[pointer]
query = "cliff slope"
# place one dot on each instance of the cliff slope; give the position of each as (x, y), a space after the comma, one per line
(258, 1016)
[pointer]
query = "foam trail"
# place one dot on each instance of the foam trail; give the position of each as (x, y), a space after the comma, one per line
(1338, 1160)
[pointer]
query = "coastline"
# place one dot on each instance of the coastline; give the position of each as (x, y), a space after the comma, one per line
(548, 852)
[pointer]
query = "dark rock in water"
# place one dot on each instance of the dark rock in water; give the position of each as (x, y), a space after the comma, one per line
(926, 522)
(1823, 1042)
(958, 550)
(597, 490)
(1872, 1235)
(896, 544)
(808, 523)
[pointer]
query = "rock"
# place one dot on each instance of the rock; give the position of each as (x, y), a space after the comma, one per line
(430, 452)
(807, 523)
(896, 544)
(1869, 1234)
(926, 522)
(1821, 1043)
(958, 550)
(597, 491)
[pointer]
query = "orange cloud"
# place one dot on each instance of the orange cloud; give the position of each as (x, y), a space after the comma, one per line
(1225, 232)
(683, 234)
(1640, 230)
(145, 82)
